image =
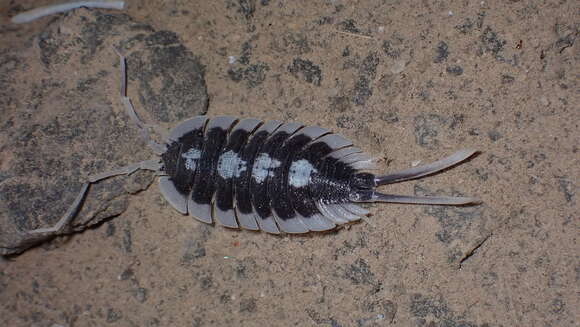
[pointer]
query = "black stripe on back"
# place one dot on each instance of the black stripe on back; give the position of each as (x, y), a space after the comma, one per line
(204, 185)
(174, 162)
(225, 187)
(279, 189)
(260, 196)
(332, 182)
(242, 183)
(301, 198)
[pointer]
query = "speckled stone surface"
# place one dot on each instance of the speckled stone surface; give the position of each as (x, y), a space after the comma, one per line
(406, 81)
(62, 120)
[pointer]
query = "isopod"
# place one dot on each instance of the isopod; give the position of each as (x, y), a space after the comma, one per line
(270, 176)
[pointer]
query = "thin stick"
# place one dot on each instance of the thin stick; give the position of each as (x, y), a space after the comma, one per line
(355, 35)
(30, 15)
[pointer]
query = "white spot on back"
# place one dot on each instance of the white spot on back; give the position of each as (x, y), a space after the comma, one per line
(300, 171)
(263, 166)
(230, 164)
(191, 157)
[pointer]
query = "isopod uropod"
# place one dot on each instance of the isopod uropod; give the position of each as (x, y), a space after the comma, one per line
(270, 176)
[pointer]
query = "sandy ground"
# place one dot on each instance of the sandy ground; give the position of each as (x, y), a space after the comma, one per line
(405, 80)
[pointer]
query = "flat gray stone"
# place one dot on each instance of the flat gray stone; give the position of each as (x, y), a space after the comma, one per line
(62, 119)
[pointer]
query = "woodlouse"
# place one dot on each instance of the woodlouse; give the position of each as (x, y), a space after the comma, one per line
(270, 176)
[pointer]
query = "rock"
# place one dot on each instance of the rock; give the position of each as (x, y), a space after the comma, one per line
(62, 119)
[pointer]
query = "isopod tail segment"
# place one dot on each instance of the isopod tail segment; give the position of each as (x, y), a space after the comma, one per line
(365, 191)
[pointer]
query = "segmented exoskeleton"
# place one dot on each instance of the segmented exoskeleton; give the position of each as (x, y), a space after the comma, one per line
(275, 176)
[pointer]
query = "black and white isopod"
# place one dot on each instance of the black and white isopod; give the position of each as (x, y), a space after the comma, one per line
(276, 177)
(270, 176)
